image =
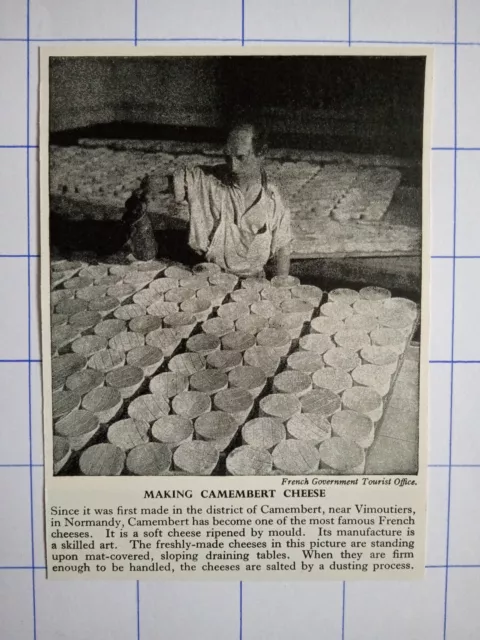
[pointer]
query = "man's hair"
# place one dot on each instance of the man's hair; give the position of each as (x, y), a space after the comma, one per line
(259, 133)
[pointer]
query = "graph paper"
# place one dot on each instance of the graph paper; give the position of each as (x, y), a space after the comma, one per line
(443, 605)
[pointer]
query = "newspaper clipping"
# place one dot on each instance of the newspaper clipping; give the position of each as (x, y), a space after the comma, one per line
(235, 299)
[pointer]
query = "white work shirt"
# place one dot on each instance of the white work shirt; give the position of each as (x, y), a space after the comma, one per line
(238, 239)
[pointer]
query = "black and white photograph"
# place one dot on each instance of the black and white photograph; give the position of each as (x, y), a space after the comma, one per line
(235, 263)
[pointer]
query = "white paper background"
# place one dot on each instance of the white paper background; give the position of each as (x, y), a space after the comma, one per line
(445, 604)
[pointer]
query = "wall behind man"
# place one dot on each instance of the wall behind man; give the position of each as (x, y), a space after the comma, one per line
(341, 103)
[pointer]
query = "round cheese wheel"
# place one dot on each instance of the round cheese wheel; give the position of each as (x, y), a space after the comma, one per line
(102, 460)
(203, 343)
(215, 295)
(342, 456)
(371, 375)
(209, 268)
(138, 279)
(126, 379)
(167, 340)
(311, 427)
(295, 382)
(280, 405)
(196, 458)
(187, 363)
(150, 459)
(265, 309)
(191, 404)
(127, 434)
(146, 297)
(109, 281)
(276, 339)
(236, 402)
(194, 282)
(216, 427)
(182, 322)
(126, 340)
(352, 339)
(359, 322)
(64, 366)
(354, 426)
(104, 305)
(316, 342)
(63, 335)
(209, 381)
(168, 384)
(364, 400)
(121, 291)
(149, 407)
(233, 310)
(402, 322)
(177, 272)
(59, 295)
(285, 281)
(303, 308)
(321, 401)
(400, 305)
(308, 292)
(263, 433)
(109, 328)
(264, 358)
(201, 309)
(224, 360)
(251, 324)
(296, 457)
(119, 269)
(368, 307)
(218, 327)
(257, 284)
(391, 338)
(326, 325)
(341, 358)
(292, 323)
(162, 309)
(145, 324)
(346, 296)
(61, 453)
(85, 319)
(172, 430)
(155, 266)
(78, 283)
(374, 293)
(106, 360)
(275, 295)
(78, 427)
(91, 293)
(160, 285)
(249, 461)
(380, 356)
(84, 381)
(104, 402)
(64, 402)
(336, 380)
(237, 341)
(251, 379)
(227, 280)
(245, 296)
(94, 271)
(179, 295)
(338, 310)
(305, 361)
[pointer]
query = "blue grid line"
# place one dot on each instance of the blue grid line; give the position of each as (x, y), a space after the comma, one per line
(138, 608)
(349, 23)
(18, 146)
(455, 257)
(452, 345)
(19, 255)
(454, 361)
(208, 39)
(28, 361)
(243, 23)
(29, 327)
(240, 628)
(7, 465)
(135, 21)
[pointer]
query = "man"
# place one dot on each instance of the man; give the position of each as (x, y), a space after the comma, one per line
(236, 217)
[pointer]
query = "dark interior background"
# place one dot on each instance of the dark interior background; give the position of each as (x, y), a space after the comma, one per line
(343, 103)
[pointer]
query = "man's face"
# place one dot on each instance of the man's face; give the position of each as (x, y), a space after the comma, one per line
(240, 156)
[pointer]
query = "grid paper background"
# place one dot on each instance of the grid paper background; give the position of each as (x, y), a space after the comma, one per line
(445, 604)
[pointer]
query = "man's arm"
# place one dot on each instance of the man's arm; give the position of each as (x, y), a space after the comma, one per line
(282, 262)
